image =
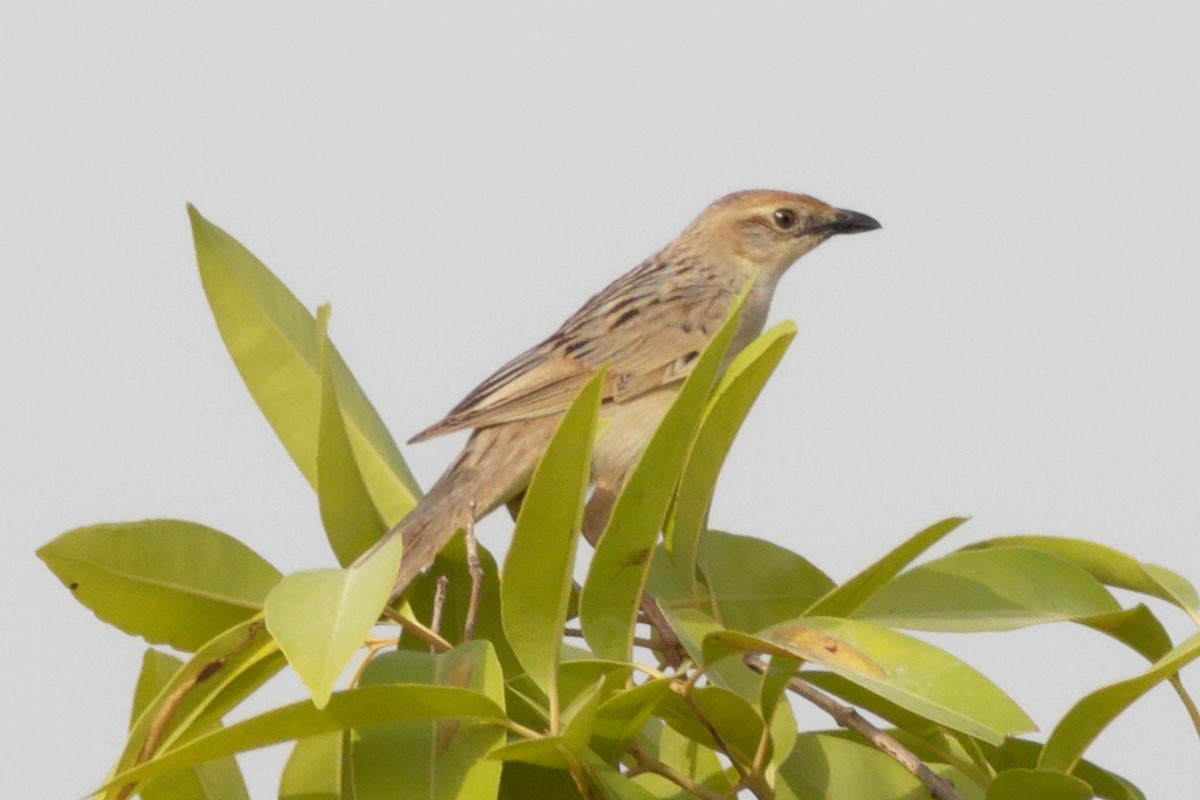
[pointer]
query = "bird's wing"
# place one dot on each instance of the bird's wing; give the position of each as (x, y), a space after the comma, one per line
(648, 338)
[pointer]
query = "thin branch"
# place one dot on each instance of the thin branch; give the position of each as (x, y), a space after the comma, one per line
(439, 604)
(475, 569)
(648, 763)
(417, 629)
(850, 719)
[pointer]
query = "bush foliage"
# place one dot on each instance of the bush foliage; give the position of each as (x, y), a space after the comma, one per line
(512, 681)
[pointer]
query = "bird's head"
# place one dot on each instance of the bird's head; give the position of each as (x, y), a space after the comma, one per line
(771, 229)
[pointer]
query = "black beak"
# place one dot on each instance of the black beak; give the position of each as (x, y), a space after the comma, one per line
(851, 222)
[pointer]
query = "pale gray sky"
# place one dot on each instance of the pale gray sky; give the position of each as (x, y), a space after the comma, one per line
(1021, 341)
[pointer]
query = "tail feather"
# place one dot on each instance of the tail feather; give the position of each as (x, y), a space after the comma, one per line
(494, 466)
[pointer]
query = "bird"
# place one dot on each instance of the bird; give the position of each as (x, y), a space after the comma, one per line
(648, 328)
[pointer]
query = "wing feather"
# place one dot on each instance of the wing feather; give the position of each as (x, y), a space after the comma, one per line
(649, 329)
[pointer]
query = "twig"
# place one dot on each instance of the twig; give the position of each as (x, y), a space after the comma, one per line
(417, 629)
(475, 569)
(439, 604)
(648, 763)
(848, 718)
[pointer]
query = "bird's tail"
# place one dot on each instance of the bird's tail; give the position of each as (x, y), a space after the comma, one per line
(494, 466)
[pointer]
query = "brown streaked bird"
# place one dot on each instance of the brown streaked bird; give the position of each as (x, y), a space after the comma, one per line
(648, 326)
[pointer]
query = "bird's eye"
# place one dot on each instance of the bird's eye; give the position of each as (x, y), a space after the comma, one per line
(784, 218)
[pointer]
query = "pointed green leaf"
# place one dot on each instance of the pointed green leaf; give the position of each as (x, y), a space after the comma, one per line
(996, 589)
(1022, 753)
(736, 392)
(1136, 628)
(919, 677)
(347, 512)
(691, 758)
(579, 718)
(1091, 715)
(609, 602)
(755, 583)
(157, 670)
(1037, 784)
(216, 779)
(537, 577)
(316, 769)
(431, 759)
(620, 717)
(168, 581)
(355, 708)
(1111, 567)
(550, 752)
(736, 720)
(272, 339)
(844, 599)
(321, 617)
(612, 784)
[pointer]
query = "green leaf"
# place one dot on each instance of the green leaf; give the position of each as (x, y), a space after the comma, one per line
(689, 757)
(316, 769)
(736, 392)
(347, 512)
(195, 696)
(755, 583)
(792, 641)
(1022, 753)
(920, 678)
(272, 339)
(611, 784)
(550, 752)
(157, 670)
(735, 719)
(579, 718)
(321, 617)
(434, 759)
(536, 585)
(521, 781)
(996, 589)
(825, 767)
(1111, 567)
(621, 716)
(1136, 628)
(355, 708)
(168, 581)
(613, 589)
(847, 597)
(1091, 715)
(216, 779)
(1037, 784)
